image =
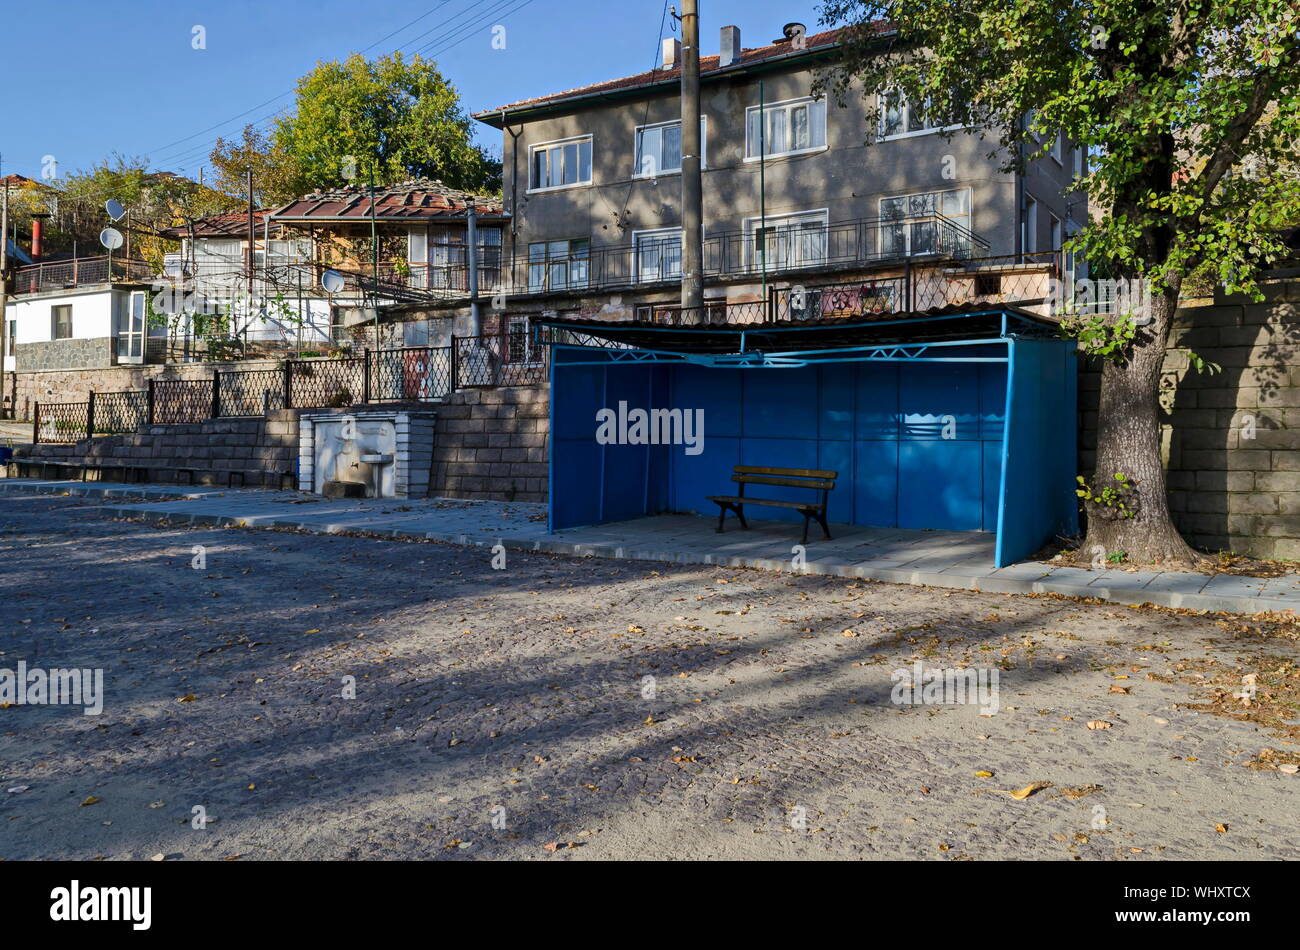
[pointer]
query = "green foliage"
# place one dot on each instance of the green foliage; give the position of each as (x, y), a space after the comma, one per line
(1117, 557)
(1118, 497)
(1190, 112)
(399, 118)
(1103, 335)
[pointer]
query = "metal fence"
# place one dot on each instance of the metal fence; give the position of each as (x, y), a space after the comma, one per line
(321, 384)
(113, 413)
(179, 401)
(513, 359)
(249, 392)
(413, 373)
(60, 421)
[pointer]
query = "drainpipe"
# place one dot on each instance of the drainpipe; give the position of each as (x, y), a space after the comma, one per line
(471, 237)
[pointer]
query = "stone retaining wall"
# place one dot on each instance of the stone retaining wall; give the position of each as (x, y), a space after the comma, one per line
(492, 443)
(1231, 440)
(253, 446)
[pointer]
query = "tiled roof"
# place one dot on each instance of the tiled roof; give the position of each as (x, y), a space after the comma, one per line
(419, 199)
(232, 224)
(708, 64)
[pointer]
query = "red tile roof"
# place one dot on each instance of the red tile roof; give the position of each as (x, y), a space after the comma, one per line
(420, 199)
(231, 224)
(708, 64)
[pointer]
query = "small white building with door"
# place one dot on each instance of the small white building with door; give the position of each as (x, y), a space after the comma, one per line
(84, 327)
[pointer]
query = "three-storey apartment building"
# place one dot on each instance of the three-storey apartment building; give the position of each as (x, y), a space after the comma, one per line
(799, 190)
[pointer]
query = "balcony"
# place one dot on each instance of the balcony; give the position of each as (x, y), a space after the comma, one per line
(78, 272)
(778, 252)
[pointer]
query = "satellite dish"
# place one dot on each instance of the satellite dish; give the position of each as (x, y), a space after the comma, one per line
(111, 238)
(332, 281)
(114, 209)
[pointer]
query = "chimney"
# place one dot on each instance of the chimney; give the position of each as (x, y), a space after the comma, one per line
(38, 232)
(672, 53)
(729, 51)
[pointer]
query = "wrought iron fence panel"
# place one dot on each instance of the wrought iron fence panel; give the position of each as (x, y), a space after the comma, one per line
(121, 412)
(330, 383)
(61, 421)
(514, 359)
(251, 392)
(178, 401)
(410, 373)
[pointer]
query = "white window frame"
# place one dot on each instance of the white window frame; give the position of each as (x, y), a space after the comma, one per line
(54, 322)
(908, 219)
(534, 188)
(1057, 150)
(636, 148)
(663, 234)
(907, 133)
(1055, 231)
(786, 105)
(546, 262)
(752, 227)
(532, 351)
(1079, 152)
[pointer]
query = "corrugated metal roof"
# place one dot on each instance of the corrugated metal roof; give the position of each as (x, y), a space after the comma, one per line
(230, 224)
(936, 323)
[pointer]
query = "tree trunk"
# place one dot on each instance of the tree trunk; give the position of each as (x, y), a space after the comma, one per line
(1128, 444)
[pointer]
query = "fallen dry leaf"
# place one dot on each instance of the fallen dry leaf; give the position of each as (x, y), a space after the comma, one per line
(90, 800)
(1021, 794)
(1098, 724)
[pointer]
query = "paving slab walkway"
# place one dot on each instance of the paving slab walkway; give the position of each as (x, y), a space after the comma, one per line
(949, 559)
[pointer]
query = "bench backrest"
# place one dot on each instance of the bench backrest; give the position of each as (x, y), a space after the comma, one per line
(817, 479)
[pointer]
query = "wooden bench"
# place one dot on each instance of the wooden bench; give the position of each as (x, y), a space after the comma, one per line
(816, 480)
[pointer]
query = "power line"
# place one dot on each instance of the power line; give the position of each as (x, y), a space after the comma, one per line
(446, 41)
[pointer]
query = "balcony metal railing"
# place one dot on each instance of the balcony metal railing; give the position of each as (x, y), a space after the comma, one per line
(78, 272)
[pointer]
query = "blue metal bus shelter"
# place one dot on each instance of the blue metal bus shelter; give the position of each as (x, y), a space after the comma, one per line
(957, 419)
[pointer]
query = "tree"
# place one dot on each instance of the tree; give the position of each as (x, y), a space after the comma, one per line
(276, 174)
(1170, 98)
(155, 200)
(402, 119)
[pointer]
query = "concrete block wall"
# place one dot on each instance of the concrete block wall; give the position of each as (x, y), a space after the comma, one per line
(1231, 440)
(215, 448)
(492, 443)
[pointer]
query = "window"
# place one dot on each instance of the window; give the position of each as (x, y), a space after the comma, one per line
(61, 322)
(520, 346)
(659, 148)
(798, 125)
(558, 265)
(131, 329)
(1078, 161)
(561, 164)
(438, 259)
(932, 222)
(899, 117)
(1056, 232)
(658, 254)
(9, 338)
(1058, 148)
(1031, 225)
(793, 240)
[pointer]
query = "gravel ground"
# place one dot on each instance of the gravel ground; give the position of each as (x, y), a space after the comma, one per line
(507, 713)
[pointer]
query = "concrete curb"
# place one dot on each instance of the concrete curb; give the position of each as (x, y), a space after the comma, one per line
(951, 581)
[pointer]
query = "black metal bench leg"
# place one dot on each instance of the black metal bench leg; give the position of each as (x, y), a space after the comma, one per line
(740, 513)
(821, 517)
(804, 539)
(722, 513)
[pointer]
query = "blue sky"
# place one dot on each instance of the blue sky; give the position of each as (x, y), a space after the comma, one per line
(86, 79)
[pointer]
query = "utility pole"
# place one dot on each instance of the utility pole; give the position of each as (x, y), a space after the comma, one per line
(692, 185)
(4, 291)
(252, 237)
(374, 258)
